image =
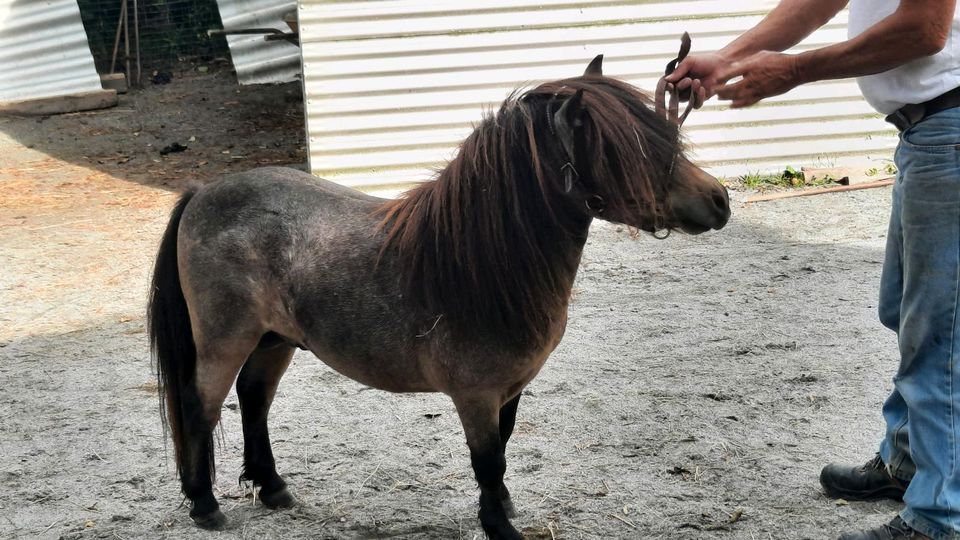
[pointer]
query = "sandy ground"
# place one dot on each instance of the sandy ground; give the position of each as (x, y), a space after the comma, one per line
(702, 383)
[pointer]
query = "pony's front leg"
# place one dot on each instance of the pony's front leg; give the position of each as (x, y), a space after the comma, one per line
(481, 424)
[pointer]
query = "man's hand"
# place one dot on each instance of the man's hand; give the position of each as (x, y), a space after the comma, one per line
(784, 27)
(764, 74)
(698, 74)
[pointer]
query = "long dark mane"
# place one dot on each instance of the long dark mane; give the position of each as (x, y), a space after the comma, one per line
(482, 245)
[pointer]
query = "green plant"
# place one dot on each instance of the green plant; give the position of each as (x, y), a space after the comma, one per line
(888, 169)
(792, 176)
(788, 178)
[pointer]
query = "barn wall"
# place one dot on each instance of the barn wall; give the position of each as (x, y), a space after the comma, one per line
(44, 50)
(256, 60)
(393, 86)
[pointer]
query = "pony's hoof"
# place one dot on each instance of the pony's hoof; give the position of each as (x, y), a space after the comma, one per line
(500, 529)
(508, 534)
(279, 499)
(214, 521)
(509, 508)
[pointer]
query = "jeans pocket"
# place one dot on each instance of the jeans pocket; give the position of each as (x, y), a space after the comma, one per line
(938, 134)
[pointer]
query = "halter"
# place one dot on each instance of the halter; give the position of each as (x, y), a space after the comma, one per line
(569, 170)
(670, 112)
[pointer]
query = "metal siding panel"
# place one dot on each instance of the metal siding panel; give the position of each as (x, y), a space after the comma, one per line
(44, 50)
(393, 86)
(256, 60)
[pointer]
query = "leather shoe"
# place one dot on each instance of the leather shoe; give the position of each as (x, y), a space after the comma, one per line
(866, 482)
(895, 530)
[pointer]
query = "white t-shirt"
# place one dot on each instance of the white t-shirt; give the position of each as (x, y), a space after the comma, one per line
(915, 82)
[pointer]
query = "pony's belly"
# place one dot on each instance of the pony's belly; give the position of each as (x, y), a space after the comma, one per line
(393, 375)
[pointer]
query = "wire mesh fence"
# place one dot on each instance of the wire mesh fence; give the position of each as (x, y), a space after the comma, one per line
(145, 37)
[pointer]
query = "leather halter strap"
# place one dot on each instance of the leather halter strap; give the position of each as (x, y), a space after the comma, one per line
(672, 111)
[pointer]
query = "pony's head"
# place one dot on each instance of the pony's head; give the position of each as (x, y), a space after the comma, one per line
(618, 160)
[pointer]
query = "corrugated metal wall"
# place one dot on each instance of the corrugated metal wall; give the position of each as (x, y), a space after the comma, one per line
(393, 86)
(43, 50)
(256, 60)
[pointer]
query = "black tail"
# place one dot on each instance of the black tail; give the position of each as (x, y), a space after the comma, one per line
(171, 338)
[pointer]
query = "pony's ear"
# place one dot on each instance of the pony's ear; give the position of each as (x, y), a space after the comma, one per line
(571, 111)
(568, 119)
(595, 68)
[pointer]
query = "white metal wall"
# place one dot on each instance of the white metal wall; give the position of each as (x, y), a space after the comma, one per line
(393, 86)
(256, 60)
(44, 50)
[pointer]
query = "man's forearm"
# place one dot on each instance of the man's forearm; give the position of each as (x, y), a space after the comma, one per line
(918, 28)
(784, 27)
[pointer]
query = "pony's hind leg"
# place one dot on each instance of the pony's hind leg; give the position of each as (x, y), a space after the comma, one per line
(508, 417)
(481, 425)
(217, 367)
(256, 388)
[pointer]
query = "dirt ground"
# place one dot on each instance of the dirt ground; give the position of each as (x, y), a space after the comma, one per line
(702, 383)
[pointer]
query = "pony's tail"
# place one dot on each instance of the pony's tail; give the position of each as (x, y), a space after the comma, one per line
(171, 337)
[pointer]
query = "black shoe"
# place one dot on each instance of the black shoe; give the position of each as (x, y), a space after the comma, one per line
(867, 482)
(895, 530)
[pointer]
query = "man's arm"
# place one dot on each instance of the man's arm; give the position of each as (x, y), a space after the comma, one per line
(916, 29)
(788, 24)
(782, 28)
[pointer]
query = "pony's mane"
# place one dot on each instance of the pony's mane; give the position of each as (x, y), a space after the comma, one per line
(479, 245)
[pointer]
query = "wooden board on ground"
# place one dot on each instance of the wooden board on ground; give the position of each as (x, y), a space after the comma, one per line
(888, 181)
(116, 81)
(83, 101)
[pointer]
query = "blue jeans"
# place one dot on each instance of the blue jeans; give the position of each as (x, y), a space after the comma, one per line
(919, 299)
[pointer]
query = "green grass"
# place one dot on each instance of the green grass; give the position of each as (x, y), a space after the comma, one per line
(789, 178)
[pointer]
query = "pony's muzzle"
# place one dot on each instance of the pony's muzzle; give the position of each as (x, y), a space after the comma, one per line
(701, 203)
(721, 203)
(716, 201)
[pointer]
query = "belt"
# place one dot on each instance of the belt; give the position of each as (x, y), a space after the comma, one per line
(912, 114)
